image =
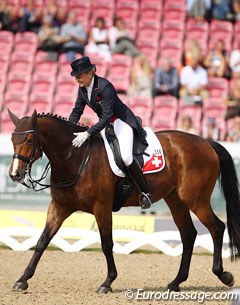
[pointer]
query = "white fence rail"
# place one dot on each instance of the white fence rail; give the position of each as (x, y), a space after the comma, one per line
(168, 242)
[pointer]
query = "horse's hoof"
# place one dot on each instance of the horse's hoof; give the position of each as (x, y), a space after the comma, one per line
(20, 286)
(227, 278)
(173, 287)
(103, 289)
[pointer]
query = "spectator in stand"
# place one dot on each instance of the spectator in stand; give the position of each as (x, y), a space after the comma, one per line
(121, 40)
(192, 49)
(186, 125)
(98, 40)
(29, 18)
(233, 101)
(193, 80)
(234, 62)
(49, 38)
(141, 77)
(211, 131)
(234, 134)
(7, 17)
(198, 9)
(166, 79)
(74, 36)
(221, 10)
(236, 9)
(216, 61)
(58, 14)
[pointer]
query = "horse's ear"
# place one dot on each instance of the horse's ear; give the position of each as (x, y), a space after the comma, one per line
(34, 118)
(13, 117)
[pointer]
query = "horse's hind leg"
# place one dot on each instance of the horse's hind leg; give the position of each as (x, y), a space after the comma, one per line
(216, 228)
(104, 221)
(55, 218)
(188, 234)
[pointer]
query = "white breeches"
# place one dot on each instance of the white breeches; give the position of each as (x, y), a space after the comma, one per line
(124, 133)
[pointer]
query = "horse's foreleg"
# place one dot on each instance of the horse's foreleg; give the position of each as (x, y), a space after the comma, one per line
(188, 234)
(104, 221)
(56, 216)
(216, 228)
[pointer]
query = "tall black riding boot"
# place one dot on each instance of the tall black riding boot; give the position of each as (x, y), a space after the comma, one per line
(138, 178)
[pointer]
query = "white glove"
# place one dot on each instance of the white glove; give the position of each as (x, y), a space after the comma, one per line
(81, 137)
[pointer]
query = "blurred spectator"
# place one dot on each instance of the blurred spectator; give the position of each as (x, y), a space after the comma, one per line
(210, 131)
(236, 9)
(233, 101)
(198, 9)
(192, 49)
(141, 77)
(49, 38)
(57, 13)
(29, 18)
(234, 134)
(74, 36)
(7, 17)
(234, 62)
(98, 40)
(120, 39)
(166, 79)
(193, 80)
(216, 61)
(221, 10)
(186, 125)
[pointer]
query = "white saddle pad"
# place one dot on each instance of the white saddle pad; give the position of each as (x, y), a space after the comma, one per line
(154, 161)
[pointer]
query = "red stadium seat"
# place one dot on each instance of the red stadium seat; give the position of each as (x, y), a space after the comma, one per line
(153, 4)
(164, 118)
(165, 100)
(63, 109)
(149, 24)
(148, 35)
(218, 87)
(43, 86)
(16, 102)
(121, 83)
(144, 111)
(199, 26)
(42, 102)
(151, 14)
(227, 39)
(21, 56)
(64, 98)
(26, 37)
(46, 67)
(18, 86)
(218, 26)
(6, 37)
(7, 125)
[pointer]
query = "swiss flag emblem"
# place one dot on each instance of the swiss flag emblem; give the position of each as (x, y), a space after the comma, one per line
(155, 163)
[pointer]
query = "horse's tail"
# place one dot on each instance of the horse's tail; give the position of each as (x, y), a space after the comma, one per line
(230, 188)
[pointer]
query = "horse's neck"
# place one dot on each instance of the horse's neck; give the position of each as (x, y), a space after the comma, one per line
(55, 141)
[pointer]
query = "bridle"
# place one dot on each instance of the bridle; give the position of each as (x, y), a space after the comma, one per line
(30, 160)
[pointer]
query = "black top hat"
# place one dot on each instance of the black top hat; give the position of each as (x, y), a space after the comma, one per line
(81, 65)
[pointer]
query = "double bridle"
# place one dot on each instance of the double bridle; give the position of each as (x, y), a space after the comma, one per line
(29, 160)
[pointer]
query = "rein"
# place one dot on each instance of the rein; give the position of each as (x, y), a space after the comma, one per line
(29, 160)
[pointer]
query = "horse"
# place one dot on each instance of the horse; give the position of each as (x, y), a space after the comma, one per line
(81, 179)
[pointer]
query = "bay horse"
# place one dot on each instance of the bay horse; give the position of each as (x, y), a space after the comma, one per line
(81, 179)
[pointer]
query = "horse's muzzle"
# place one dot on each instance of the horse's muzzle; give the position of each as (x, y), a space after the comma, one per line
(18, 176)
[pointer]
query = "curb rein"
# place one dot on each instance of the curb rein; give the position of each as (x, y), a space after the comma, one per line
(29, 160)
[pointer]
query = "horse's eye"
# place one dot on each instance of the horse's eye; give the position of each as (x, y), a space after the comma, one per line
(29, 141)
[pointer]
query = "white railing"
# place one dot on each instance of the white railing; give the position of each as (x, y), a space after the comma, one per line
(168, 242)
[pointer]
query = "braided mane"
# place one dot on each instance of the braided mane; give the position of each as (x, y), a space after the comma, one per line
(62, 120)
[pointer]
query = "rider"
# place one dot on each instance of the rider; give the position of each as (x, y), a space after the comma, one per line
(99, 94)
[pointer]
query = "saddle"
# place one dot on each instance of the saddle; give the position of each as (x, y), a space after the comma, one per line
(124, 186)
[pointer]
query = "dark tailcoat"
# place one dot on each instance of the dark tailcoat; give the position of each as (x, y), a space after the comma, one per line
(105, 102)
